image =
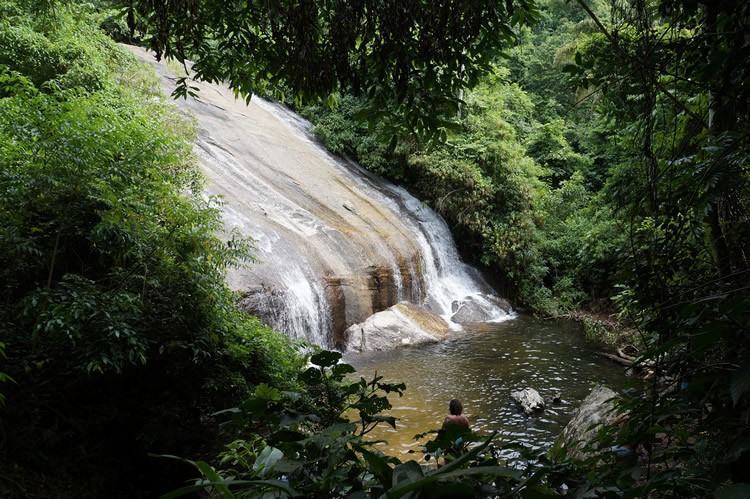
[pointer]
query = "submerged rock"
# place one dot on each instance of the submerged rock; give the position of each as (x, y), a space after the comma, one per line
(400, 325)
(596, 409)
(529, 400)
(479, 308)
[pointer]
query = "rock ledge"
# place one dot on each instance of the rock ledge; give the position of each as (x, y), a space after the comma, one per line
(596, 409)
(402, 324)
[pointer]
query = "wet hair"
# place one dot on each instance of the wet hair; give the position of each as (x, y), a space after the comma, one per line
(455, 407)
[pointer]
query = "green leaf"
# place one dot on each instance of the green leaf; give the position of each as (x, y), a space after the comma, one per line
(274, 484)
(326, 358)
(733, 491)
(183, 491)
(254, 406)
(406, 473)
(465, 458)
(265, 392)
(389, 420)
(419, 483)
(211, 474)
(286, 435)
(268, 457)
(378, 466)
(312, 376)
(494, 471)
(342, 370)
(537, 492)
(231, 410)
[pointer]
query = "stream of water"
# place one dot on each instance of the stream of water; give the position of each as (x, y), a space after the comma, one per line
(481, 366)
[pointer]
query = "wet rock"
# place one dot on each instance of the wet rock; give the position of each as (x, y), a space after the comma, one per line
(596, 410)
(432, 304)
(529, 400)
(501, 303)
(336, 297)
(554, 399)
(479, 308)
(381, 289)
(262, 301)
(402, 324)
(334, 243)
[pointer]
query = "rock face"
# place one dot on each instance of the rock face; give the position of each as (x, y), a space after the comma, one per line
(400, 325)
(333, 243)
(596, 410)
(479, 307)
(529, 400)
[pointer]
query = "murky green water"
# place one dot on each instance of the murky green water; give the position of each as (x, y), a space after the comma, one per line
(481, 366)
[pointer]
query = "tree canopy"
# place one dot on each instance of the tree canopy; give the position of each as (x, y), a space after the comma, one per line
(412, 58)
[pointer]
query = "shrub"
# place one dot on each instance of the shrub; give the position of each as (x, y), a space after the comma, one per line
(311, 444)
(119, 331)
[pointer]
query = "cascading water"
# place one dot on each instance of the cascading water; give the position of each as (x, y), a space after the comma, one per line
(333, 243)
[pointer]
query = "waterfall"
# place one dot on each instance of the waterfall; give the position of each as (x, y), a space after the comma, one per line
(333, 243)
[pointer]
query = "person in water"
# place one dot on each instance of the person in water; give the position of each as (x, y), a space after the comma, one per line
(456, 418)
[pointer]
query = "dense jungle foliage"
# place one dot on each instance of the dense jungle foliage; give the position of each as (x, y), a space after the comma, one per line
(604, 164)
(520, 177)
(588, 154)
(119, 335)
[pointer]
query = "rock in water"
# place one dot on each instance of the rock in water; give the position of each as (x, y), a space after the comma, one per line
(596, 410)
(479, 308)
(400, 325)
(529, 400)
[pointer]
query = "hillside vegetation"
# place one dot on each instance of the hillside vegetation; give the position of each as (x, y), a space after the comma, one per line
(118, 333)
(589, 155)
(522, 176)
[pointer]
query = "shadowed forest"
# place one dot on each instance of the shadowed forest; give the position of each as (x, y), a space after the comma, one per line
(590, 158)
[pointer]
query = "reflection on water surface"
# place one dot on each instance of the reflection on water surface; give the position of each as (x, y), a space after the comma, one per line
(481, 366)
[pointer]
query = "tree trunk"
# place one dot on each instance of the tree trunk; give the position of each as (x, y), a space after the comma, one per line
(720, 120)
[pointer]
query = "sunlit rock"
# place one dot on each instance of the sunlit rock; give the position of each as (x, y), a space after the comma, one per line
(596, 409)
(529, 400)
(332, 243)
(479, 307)
(402, 324)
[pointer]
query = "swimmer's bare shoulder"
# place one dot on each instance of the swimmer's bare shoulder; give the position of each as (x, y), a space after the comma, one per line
(457, 420)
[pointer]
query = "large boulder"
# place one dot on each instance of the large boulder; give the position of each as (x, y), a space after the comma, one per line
(479, 307)
(529, 400)
(597, 409)
(400, 325)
